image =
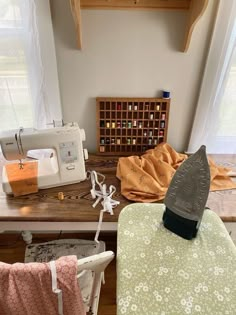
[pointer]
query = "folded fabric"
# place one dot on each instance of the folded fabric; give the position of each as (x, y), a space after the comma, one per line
(146, 178)
(26, 289)
(23, 181)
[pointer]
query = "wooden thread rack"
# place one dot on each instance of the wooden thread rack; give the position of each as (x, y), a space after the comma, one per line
(130, 126)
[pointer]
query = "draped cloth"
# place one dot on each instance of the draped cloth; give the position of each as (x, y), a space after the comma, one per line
(146, 178)
(26, 289)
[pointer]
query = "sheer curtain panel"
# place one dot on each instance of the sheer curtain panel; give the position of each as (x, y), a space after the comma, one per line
(214, 123)
(29, 92)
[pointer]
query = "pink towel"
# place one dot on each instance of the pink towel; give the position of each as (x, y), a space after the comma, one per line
(26, 289)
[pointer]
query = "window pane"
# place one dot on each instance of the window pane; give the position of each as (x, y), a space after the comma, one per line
(10, 14)
(16, 103)
(15, 107)
(227, 126)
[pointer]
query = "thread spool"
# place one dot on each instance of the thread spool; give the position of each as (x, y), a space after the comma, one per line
(165, 94)
(60, 195)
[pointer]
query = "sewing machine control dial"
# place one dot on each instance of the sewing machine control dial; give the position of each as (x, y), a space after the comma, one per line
(68, 152)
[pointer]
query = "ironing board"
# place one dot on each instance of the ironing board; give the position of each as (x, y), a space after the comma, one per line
(160, 273)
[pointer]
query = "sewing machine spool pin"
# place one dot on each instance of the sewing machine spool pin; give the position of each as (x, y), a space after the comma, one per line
(57, 123)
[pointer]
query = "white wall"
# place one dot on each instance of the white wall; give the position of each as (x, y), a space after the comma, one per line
(130, 54)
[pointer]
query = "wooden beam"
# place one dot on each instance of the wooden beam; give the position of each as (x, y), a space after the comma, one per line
(136, 4)
(197, 8)
(76, 13)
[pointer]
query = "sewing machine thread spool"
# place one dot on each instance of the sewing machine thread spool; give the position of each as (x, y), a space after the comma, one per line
(165, 94)
(60, 195)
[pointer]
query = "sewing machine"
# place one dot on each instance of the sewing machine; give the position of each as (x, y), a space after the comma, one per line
(65, 165)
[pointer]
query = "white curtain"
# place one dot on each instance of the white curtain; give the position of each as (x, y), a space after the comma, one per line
(215, 118)
(41, 112)
(25, 98)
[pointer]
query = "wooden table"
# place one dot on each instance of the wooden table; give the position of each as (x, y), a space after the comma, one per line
(43, 210)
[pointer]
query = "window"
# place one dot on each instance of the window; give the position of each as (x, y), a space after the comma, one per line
(16, 101)
(227, 114)
(29, 89)
(214, 122)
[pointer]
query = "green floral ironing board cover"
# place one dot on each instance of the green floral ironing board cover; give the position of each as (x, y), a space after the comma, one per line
(160, 273)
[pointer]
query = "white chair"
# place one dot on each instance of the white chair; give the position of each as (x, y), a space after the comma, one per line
(92, 261)
(97, 264)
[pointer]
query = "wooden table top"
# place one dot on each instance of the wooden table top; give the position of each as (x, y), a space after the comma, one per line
(77, 204)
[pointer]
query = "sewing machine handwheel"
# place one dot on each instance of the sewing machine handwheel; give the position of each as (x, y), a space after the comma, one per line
(85, 154)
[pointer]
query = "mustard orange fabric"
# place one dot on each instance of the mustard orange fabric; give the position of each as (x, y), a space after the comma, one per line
(23, 181)
(146, 178)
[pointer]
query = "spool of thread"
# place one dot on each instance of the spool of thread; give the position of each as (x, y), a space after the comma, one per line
(60, 195)
(165, 94)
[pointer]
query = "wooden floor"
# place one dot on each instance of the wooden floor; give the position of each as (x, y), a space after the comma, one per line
(12, 249)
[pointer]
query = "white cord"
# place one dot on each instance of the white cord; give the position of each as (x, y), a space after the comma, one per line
(55, 289)
(103, 196)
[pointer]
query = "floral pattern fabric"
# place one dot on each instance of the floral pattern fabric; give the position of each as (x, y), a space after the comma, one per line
(45, 252)
(160, 273)
(26, 289)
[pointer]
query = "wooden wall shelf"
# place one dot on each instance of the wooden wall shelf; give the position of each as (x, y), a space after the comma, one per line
(130, 126)
(196, 8)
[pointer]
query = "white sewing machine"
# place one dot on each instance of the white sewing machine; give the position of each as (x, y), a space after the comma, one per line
(66, 164)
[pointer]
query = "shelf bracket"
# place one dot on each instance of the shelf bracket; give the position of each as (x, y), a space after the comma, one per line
(196, 10)
(76, 13)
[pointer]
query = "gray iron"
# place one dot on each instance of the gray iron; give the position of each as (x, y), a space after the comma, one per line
(187, 195)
